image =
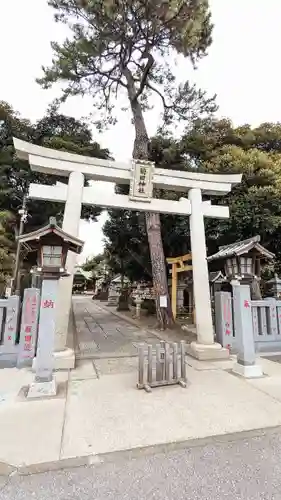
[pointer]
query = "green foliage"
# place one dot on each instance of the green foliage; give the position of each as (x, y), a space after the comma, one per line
(128, 45)
(217, 147)
(52, 131)
(125, 233)
(99, 266)
(57, 131)
(7, 249)
(14, 173)
(94, 264)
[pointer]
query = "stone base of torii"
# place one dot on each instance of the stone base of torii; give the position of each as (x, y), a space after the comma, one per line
(142, 177)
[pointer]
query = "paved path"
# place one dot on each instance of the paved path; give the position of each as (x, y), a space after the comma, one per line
(243, 469)
(98, 410)
(101, 334)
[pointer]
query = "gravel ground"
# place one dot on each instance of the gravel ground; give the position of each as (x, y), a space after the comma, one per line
(248, 469)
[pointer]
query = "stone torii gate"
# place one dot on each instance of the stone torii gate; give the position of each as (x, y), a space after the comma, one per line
(142, 177)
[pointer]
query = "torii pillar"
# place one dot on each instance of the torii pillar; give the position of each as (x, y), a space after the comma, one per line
(71, 220)
(205, 347)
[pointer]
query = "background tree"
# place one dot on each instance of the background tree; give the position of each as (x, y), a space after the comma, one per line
(93, 263)
(218, 147)
(125, 235)
(57, 131)
(7, 249)
(54, 131)
(99, 266)
(128, 45)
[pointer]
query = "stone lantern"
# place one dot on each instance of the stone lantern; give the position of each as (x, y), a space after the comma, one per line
(52, 245)
(242, 262)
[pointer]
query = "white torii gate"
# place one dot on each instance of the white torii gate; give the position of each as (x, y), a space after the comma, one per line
(142, 177)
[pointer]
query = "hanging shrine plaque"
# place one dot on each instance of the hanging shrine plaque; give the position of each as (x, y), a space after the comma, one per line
(141, 185)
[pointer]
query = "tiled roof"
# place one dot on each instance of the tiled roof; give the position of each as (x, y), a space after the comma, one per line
(240, 248)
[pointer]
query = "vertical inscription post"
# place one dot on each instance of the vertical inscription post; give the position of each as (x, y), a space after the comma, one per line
(45, 384)
(29, 326)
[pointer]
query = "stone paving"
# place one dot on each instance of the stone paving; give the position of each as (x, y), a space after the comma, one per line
(101, 334)
(99, 411)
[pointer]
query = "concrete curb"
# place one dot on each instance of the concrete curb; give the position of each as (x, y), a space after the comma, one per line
(7, 470)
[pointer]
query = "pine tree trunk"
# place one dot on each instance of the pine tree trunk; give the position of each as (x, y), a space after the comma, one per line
(158, 264)
(153, 223)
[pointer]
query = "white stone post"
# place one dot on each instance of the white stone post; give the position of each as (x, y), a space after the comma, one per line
(11, 325)
(205, 347)
(224, 320)
(243, 323)
(45, 384)
(71, 221)
(29, 326)
(8, 347)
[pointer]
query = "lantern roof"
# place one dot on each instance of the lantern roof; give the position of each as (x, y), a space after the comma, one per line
(32, 240)
(241, 248)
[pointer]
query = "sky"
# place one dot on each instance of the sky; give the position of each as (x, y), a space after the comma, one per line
(242, 68)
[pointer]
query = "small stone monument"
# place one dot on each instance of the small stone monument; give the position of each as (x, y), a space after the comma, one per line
(52, 245)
